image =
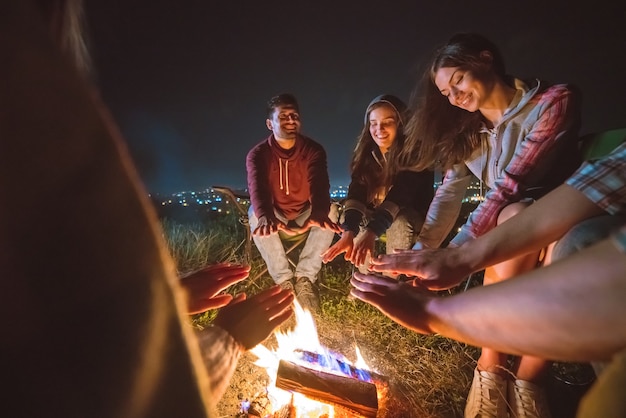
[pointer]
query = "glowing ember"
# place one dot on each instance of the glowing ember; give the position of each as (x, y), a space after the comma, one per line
(301, 346)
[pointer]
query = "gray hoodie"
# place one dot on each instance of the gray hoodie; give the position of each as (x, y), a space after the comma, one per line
(531, 151)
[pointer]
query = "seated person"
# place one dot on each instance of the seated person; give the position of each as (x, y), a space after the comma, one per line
(520, 137)
(370, 200)
(290, 193)
(595, 195)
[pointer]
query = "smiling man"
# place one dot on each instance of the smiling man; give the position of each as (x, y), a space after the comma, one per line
(289, 193)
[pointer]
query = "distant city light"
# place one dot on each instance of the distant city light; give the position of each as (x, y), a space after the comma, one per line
(211, 200)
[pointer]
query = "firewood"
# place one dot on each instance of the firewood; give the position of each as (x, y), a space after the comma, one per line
(346, 368)
(355, 395)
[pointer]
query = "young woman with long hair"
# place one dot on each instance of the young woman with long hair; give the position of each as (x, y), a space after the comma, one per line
(373, 207)
(520, 139)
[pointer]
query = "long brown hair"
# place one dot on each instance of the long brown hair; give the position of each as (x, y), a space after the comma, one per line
(362, 166)
(439, 134)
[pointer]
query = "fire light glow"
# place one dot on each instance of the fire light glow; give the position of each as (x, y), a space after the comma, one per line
(302, 346)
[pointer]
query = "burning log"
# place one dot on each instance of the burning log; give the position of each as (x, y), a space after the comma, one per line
(346, 369)
(353, 394)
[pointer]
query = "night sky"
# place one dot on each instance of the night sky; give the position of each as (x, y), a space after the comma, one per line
(187, 80)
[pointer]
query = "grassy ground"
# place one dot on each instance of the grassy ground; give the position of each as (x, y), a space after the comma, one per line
(429, 376)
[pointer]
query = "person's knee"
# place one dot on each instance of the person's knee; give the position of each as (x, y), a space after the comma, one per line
(408, 220)
(253, 221)
(511, 210)
(402, 232)
(400, 223)
(333, 214)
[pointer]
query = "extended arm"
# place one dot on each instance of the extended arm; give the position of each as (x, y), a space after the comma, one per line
(597, 187)
(572, 310)
(535, 227)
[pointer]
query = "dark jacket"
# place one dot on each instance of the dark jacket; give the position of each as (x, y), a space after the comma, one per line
(411, 189)
(289, 181)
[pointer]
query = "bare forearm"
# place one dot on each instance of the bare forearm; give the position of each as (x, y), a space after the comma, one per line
(572, 310)
(532, 229)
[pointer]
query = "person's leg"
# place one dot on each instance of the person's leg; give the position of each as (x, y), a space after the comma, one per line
(490, 360)
(273, 252)
(492, 365)
(318, 241)
(310, 261)
(403, 231)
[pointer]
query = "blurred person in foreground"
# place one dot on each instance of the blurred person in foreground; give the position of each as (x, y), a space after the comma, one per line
(94, 318)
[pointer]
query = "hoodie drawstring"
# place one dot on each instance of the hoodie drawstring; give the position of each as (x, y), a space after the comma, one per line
(280, 175)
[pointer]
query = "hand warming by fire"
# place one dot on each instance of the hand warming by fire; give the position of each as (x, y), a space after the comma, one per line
(307, 380)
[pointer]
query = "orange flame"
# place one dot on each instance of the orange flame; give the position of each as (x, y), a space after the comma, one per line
(303, 338)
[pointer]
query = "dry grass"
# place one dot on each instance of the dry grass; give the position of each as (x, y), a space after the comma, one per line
(429, 375)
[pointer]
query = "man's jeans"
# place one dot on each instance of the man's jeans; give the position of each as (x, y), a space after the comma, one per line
(273, 251)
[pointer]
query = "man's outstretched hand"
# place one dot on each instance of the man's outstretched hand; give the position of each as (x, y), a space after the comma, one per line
(267, 226)
(203, 286)
(251, 321)
(322, 222)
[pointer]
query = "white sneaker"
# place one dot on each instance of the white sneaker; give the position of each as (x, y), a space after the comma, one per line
(528, 400)
(487, 396)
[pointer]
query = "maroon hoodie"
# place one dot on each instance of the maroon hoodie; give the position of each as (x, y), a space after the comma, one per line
(288, 180)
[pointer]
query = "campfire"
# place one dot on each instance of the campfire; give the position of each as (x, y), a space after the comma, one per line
(307, 380)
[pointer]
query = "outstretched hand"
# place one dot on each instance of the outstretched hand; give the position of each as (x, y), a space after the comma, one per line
(343, 245)
(435, 269)
(322, 222)
(363, 245)
(401, 302)
(251, 321)
(203, 286)
(267, 226)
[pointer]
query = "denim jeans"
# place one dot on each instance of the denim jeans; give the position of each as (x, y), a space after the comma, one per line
(403, 231)
(586, 233)
(401, 235)
(273, 251)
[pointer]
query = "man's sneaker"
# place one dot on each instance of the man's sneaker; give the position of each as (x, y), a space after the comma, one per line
(527, 400)
(487, 396)
(306, 292)
(287, 285)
